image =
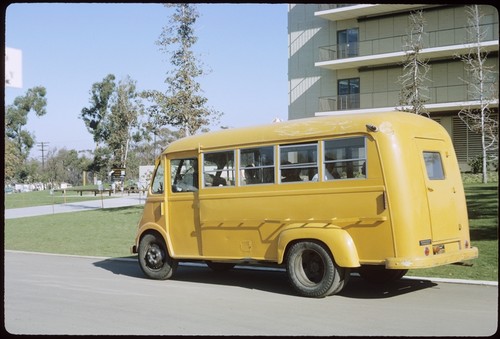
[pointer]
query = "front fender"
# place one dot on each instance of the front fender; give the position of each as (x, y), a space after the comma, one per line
(150, 226)
(338, 241)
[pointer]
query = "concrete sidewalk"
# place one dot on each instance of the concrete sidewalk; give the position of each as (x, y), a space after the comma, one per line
(129, 200)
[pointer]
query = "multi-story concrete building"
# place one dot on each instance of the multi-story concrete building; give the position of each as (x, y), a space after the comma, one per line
(349, 58)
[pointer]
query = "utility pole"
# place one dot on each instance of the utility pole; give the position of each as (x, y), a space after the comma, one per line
(42, 148)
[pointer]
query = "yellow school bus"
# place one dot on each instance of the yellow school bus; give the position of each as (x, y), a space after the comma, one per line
(376, 193)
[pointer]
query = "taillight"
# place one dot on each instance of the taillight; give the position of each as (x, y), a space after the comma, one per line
(466, 243)
(437, 249)
(426, 251)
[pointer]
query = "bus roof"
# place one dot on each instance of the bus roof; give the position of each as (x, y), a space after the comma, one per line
(307, 128)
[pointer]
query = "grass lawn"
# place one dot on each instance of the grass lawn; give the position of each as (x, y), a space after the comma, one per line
(103, 232)
(111, 232)
(482, 207)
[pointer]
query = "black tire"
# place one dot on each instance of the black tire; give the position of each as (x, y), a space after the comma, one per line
(312, 271)
(154, 259)
(344, 279)
(220, 266)
(380, 275)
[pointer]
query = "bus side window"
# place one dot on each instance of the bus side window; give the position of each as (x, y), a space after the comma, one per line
(218, 169)
(345, 158)
(257, 166)
(184, 173)
(157, 186)
(298, 162)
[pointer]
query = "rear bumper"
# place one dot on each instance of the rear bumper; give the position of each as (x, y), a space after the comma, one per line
(432, 260)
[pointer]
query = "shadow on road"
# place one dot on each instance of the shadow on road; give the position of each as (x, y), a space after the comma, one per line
(273, 281)
(121, 267)
(360, 289)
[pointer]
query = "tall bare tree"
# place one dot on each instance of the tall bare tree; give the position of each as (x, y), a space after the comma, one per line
(412, 97)
(481, 84)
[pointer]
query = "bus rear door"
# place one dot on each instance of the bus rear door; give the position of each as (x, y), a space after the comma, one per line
(441, 189)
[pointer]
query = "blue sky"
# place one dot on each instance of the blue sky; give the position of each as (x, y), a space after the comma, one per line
(68, 47)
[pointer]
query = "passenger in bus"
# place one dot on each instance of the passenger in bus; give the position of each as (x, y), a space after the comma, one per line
(290, 174)
(329, 172)
(218, 181)
(251, 175)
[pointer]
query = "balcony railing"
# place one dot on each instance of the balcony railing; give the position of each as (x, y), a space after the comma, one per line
(326, 7)
(339, 103)
(438, 38)
(437, 95)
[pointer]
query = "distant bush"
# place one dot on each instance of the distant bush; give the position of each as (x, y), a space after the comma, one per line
(477, 178)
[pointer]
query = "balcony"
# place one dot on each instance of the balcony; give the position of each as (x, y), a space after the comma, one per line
(339, 103)
(438, 44)
(352, 11)
(441, 98)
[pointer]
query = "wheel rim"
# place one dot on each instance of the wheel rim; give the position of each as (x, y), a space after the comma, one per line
(154, 257)
(311, 268)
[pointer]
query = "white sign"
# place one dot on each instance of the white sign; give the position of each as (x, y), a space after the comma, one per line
(13, 67)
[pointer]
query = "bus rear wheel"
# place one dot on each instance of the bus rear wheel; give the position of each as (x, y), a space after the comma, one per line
(312, 271)
(154, 259)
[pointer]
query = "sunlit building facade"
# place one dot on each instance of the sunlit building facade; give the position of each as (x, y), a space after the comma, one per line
(349, 58)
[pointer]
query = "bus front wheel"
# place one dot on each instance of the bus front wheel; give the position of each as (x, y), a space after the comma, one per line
(154, 259)
(312, 271)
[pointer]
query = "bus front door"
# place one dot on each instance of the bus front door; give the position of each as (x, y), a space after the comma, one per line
(183, 208)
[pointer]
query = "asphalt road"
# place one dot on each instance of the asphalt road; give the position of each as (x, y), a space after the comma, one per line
(54, 294)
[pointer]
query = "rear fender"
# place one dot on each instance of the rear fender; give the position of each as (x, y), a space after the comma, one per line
(338, 241)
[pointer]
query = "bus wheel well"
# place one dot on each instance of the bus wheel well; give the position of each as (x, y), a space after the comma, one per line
(151, 231)
(293, 242)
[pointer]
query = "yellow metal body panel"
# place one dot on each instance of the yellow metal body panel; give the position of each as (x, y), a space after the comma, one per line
(392, 217)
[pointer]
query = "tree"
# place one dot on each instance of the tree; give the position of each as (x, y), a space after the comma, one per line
(481, 87)
(95, 116)
(182, 105)
(113, 119)
(412, 94)
(12, 161)
(16, 117)
(124, 120)
(65, 166)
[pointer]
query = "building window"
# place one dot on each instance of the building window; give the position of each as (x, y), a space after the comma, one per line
(347, 43)
(348, 94)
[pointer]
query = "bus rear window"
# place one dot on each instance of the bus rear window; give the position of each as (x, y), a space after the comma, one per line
(433, 165)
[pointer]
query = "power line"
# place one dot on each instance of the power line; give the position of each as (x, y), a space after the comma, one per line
(42, 148)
